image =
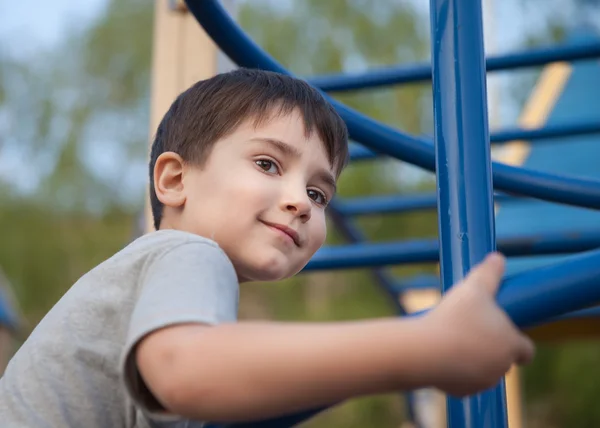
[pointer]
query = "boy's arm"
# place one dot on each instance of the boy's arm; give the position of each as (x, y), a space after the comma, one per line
(248, 371)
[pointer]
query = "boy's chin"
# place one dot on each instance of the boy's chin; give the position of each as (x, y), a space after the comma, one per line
(266, 270)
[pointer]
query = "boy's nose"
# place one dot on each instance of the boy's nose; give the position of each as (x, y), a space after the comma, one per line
(298, 206)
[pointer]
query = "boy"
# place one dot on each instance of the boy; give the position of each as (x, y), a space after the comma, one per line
(241, 170)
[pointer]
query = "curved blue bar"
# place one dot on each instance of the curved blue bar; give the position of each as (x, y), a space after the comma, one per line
(545, 133)
(464, 172)
(419, 282)
(357, 256)
(564, 290)
(559, 290)
(381, 138)
(422, 72)
(593, 312)
(367, 255)
(358, 152)
(9, 317)
(552, 132)
(375, 205)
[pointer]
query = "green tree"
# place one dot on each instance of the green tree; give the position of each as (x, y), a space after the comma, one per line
(75, 123)
(76, 113)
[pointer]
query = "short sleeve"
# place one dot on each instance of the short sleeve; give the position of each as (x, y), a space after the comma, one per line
(193, 282)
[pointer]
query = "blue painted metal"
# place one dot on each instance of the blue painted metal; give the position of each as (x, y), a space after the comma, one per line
(422, 72)
(8, 317)
(552, 292)
(546, 134)
(544, 293)
(388, 204)
(382, 138)
(593, 312)
(466, 210)
(359, 152)
(368, 255)
(431, 282)
(579, 101)
(418, 282)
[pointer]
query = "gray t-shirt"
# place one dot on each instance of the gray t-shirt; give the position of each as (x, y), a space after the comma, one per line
(74, 370)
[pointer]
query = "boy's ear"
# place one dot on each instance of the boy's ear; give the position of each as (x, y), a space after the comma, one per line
(168, 179)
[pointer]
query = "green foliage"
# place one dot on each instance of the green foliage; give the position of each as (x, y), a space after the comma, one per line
(44, 253)
(562, 386)
(79, 113)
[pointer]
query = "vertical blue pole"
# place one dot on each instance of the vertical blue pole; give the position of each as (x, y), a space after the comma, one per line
(465, 204)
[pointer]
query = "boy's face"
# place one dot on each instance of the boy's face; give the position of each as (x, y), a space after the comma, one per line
(261, 195)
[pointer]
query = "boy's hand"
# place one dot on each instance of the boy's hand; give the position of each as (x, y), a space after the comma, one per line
(475, 341)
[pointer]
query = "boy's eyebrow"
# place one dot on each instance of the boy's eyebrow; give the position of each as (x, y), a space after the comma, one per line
(293, 152)
(284, 148)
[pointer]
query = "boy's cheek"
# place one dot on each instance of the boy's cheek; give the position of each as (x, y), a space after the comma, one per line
(319, 235)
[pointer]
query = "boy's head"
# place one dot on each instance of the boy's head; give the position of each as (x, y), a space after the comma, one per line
(249, 159)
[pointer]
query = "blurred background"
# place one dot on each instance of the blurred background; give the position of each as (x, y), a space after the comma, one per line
(74, 134)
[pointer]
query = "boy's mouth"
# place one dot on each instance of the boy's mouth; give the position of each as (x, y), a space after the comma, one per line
(287, 230)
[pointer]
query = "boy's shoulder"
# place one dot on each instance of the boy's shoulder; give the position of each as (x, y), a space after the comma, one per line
(152, 246)
(167, 239)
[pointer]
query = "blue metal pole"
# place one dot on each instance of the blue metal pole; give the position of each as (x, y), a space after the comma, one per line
(376, 205)
(563, 290)
(546, 134)
(462, 146)
(417, 73)
(355, 256)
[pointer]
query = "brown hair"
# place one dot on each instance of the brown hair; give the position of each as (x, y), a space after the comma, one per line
(213, 108)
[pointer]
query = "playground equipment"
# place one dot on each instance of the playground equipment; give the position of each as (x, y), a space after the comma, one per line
(10, 320)
(551, 290)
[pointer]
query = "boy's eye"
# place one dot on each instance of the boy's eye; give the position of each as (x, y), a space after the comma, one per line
(267, 165)
(317, 196)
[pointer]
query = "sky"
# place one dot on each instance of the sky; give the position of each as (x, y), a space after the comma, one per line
(29, 25)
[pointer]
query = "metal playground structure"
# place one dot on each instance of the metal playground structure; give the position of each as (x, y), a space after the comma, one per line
(476, 199)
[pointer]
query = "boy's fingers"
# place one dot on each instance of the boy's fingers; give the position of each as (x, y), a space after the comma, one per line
(525, 350)
(488, 273)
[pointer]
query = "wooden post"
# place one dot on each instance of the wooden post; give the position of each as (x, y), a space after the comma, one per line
(430, 404)
(182, 54)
